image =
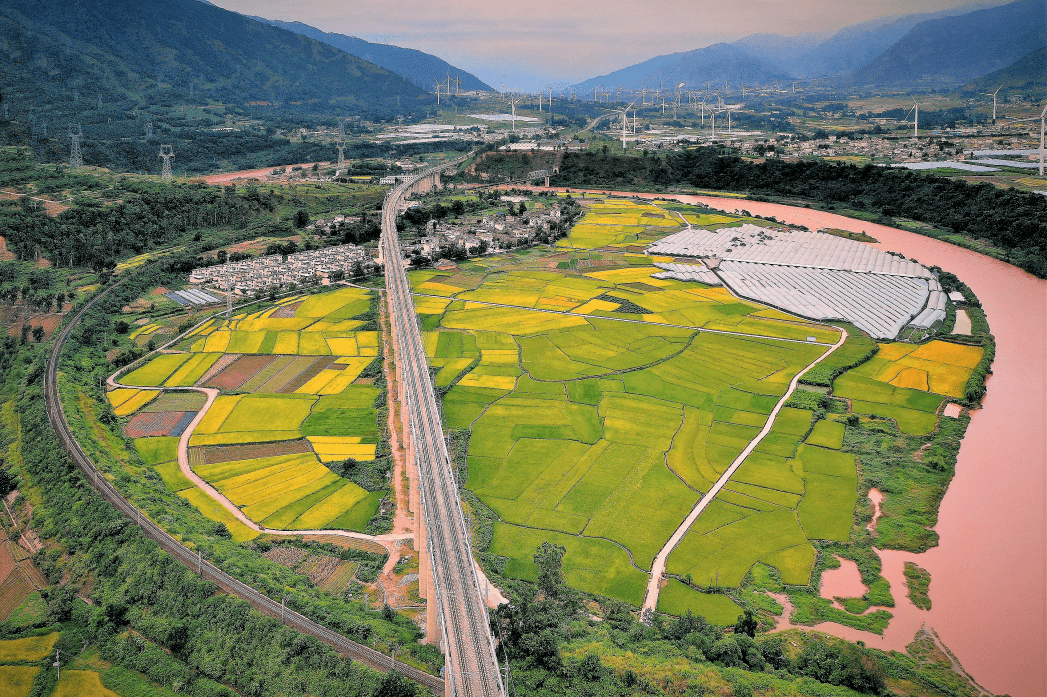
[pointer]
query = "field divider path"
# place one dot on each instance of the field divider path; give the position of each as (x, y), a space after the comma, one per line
(183, 464)
(650, 601)
(632, 321)
(366, 655)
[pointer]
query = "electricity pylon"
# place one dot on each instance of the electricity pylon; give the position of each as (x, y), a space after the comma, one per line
(166, 154)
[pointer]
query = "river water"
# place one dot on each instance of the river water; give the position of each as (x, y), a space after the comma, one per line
(989, 570)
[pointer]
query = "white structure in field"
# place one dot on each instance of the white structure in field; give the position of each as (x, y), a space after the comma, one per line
(811, 274)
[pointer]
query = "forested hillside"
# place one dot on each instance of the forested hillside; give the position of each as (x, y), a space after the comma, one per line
(70, 54)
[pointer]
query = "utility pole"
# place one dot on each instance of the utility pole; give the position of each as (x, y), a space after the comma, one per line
(58, 663)
(76, 158)
(228, 291)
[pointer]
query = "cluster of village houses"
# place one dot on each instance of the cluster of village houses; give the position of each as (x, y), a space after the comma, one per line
(499, 231)
(275, 270)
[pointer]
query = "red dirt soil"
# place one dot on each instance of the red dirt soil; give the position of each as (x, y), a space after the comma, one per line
(152, 424)
(231, 453)
(240, 372)
(251, 173)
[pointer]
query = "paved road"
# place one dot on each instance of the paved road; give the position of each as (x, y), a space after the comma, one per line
(650, 601)
(472, 667)
(205, 569)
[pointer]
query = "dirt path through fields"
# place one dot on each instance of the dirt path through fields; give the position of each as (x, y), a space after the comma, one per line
(386, 541)
(658, 568)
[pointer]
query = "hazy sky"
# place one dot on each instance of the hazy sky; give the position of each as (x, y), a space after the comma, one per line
(526, 45)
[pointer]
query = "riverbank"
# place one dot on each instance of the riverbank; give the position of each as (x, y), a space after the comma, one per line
(990, 569)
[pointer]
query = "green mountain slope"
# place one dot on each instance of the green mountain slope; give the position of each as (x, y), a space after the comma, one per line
(958, 49)
(60, 53)
(1029, 75)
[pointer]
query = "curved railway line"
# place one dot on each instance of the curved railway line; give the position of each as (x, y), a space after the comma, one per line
(469, 649)
(205, 569)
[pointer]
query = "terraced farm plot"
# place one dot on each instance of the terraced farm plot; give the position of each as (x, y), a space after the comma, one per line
(677, 598)
(620, 223)
(265, 449)
(29, 650)
(156, 371)
(261, 412)
(17, 681)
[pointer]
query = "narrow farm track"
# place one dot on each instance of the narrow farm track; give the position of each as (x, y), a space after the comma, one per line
(205, 569)
(471, 664)
(220, 498)
(650, 601)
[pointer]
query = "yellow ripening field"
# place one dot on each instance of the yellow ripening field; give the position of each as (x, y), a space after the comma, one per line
(938, 366)
(502, 382)
(136, 402)
(330, 507)
(81, 683)
(121, 395)
(333, 448)
(594, 305)
(319, 382)
(31, 649)
(343, 346)
(219, 411)
(631, 275)
(430, 306)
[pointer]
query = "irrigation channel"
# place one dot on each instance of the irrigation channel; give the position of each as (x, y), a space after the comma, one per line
(205, 569)
(468, 644)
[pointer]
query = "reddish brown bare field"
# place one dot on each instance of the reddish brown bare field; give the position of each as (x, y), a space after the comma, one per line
(5, 253)
(216, 454)
(152, 424)
(307, 375)
(240, 372)
(286, 311)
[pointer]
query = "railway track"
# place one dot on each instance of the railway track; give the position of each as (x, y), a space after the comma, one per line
(471, 664)
(194, 561)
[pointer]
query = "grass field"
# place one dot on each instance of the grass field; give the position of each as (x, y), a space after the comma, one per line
(676, 598)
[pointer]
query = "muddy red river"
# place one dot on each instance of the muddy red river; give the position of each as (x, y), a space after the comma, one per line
(989, 571)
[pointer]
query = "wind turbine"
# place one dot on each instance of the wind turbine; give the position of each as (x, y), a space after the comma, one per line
(512, 100)
(1043, 117)
(994, 102)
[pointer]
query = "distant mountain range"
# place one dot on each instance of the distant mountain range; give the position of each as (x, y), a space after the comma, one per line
(958, 49)
(712, 64)
(416, 67)
(952, 46)
(60, 51)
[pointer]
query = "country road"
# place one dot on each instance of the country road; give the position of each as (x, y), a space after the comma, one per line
(650, 602)
(195, 561)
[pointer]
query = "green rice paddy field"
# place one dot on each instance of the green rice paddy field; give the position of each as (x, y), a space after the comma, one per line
(291, 400)
(601, 435)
